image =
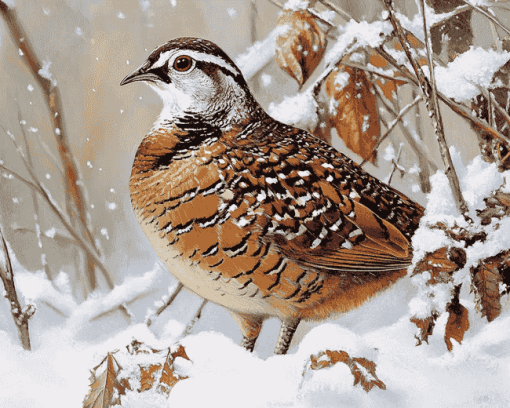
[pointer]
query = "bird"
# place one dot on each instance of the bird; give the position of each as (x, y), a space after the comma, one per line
(255, 215)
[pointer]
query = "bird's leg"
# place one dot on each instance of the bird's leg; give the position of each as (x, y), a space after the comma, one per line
(287, 331)
(250, 326)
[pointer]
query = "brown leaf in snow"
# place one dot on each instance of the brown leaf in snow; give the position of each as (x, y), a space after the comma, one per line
(485, 280)
(458, 320)
(441, 264)
(102, 388)
(353, 109)
(300, 49)
(425, 326)
(362, 369)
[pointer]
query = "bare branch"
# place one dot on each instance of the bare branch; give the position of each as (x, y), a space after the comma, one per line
(165, 305)
(458, 108)
(195, 319)
(485, 12)
(392, 126)
(76, 205)
(19, 314)
(39, 188)
(394, 165)
(346, 16)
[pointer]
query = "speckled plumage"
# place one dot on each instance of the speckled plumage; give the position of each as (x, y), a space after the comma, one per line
(263, 218)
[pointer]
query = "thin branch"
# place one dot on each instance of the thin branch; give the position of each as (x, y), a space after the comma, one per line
(39, 188)
(35, 203)
(458, 108)
(346, 16)
(367, 69)
(457, 11)
(195, 319)
(76, 205)
(19, 314)
(168, 302)
(483, 11)
(431, 102)
(57, 237)
(394, 165)
(392, 126)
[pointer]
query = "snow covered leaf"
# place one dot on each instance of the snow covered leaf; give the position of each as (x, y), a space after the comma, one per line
(102, 388)
(425, 326)
(169, 377)
(485, 280)
(161, 375)
(458, 321)
(353, 109)
(300, 49)
(362, 369)
(441, 264)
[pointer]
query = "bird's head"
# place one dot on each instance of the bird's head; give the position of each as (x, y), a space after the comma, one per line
(194, 76)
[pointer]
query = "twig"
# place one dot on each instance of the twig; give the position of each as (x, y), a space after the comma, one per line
(19, 314)
(431, 102)
(457, 11)
(76, 205)
(195, 319)
(488, 15)
(458, 108)
(392, 126)
(57, 236)
(35, 203)
(367, 69)
(346, 16)
(38, 187)
(165, 305)
(394, 165)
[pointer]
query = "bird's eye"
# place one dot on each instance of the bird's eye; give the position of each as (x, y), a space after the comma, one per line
(183, 63)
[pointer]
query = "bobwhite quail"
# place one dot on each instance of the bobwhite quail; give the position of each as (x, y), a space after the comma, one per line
(255, 215)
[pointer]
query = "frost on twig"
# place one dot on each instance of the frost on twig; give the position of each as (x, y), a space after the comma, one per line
(19, 314)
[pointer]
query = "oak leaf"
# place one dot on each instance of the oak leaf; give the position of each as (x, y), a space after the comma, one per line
(441, 264)
(362, 369)
(299, 49)
(101, 393)
(387, 85)
(353, 109)
(485, 280)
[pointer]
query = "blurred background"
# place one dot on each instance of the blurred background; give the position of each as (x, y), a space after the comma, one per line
(89, 46)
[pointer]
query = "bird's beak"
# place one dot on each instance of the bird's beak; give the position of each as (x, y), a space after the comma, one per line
(141, 74)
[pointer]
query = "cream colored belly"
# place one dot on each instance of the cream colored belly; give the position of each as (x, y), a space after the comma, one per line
(208, 284)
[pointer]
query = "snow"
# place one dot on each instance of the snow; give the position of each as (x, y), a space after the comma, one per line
(474, 67)
(232, 12)
(365, 34)
(45, 73)
(295, 5)
(30, 88)
(299, 110)
(259, 54)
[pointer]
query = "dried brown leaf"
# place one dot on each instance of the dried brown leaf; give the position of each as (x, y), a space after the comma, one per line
(426, 327)
(441, 264)
(101, 389)
(485, 279)
(355, 115)
(300, 49)
(364, 376)
(387, 86)
(458, 321)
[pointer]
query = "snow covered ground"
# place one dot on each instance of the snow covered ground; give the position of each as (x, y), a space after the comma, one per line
(56, 373)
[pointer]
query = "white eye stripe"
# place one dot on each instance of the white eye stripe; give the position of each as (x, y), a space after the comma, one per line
(171, 56)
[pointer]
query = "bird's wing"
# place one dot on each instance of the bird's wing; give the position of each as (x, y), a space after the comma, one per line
(319, 208)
